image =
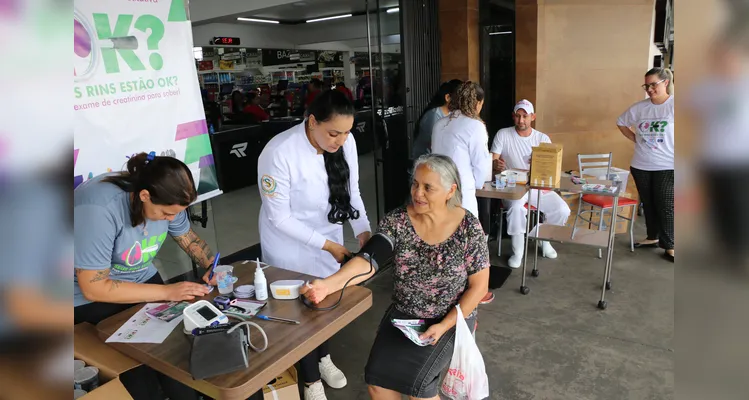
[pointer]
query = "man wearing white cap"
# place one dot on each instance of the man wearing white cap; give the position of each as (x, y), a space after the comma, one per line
(511, 149)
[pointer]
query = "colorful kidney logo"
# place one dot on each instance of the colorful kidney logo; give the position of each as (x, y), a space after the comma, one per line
(133, 256)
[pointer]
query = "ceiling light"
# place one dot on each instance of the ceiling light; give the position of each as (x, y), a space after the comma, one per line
(393, 10)
(267, 21)
(500, 33)
(328, 18)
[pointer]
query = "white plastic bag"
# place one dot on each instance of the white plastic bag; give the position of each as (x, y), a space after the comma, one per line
(466, 379)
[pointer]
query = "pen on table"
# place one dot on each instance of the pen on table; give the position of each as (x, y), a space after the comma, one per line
(266, 318)
(215, 261)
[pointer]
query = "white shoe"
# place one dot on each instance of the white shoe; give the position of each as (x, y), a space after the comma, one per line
(315, 392)
(518, 244)
(547, 250)
(333, 376)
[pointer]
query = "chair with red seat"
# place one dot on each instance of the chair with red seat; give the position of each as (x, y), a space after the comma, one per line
(598, 204)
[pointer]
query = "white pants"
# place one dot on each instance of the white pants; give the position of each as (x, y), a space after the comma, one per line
(555, 210)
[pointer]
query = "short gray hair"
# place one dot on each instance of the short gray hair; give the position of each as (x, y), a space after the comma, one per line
(448, 172)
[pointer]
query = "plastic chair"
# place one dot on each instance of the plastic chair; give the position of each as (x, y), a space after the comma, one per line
(599, 203)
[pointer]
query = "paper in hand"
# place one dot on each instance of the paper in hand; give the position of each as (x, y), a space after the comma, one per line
(413, 328)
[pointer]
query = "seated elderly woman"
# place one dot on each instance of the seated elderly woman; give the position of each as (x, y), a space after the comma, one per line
(441, 260)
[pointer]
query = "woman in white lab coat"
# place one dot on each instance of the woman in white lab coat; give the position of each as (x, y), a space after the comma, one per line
(462, 136)
(308, 177)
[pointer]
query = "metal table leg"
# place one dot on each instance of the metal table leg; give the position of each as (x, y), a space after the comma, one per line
(609, 256)
(525, 289)
(538, 231)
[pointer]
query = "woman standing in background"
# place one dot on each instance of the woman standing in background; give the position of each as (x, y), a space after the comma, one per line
(436, 110)
(462, 136)
(652, 165)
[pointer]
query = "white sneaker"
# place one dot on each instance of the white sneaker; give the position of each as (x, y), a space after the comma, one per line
(547, 250)
(315, 392)
(518, 244)
(333, 376)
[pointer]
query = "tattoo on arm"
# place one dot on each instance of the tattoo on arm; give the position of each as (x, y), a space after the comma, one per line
(196, 248)
(100, 276)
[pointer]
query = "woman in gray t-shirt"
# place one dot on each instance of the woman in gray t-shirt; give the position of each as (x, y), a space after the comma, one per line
(121, 222)
(436, 110)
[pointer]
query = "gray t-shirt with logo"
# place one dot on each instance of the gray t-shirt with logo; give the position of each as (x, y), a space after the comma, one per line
(105, 237)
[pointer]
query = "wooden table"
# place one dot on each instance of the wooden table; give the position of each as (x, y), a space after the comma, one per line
(287, 343)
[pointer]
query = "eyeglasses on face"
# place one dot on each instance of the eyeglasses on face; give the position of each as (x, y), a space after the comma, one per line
(652, 85)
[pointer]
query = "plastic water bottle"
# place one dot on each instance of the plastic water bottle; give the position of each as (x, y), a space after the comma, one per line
(211, 130)
(261, 284)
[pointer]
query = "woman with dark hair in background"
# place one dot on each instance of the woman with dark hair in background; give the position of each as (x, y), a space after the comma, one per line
(308, 177)
(314, 87)
(435, 110)
(652, 164)
(341, 87)
(253, 108)
(121, 221)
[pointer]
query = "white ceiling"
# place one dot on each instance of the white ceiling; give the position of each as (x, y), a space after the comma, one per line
(309, 9)
(209, 11)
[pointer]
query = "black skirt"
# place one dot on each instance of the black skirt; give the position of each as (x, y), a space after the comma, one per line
(397, 363)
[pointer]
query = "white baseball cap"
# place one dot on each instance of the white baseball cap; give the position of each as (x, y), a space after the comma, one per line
(525, 105)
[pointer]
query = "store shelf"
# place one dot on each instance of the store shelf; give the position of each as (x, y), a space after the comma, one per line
(219, 71)
(563, 234)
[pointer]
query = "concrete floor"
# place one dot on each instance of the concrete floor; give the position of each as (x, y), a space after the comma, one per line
(550, 344)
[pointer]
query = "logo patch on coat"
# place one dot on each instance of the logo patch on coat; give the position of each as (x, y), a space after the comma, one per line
(268, 185)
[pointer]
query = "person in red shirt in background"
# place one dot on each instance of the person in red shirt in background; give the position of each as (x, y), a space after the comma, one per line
(253, 108)
(341, 87)
(313, 89)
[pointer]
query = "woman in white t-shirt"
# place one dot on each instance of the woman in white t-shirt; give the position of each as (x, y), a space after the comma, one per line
(462, 136)
(652, 165)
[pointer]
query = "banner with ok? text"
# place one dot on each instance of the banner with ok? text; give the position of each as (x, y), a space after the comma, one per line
(136, 89)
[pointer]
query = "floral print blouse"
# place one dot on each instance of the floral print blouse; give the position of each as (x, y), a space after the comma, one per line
(429, 280)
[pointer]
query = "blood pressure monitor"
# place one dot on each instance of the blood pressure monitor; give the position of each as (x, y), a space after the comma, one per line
(202, 314)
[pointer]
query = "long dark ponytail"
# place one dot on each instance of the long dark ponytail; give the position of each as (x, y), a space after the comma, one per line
(325, 106)
(167, 179)
(438, 100)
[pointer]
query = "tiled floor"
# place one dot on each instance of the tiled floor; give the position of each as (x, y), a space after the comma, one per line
(551, 344)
